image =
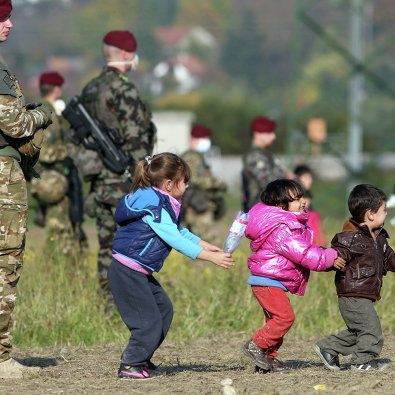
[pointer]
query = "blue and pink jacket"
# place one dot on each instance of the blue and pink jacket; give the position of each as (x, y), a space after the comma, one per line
(149, 229)
(282, 247)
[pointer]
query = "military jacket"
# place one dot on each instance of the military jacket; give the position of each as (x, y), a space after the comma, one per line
(201, 175)
(113, 99)
(259, 168)
(15, 120)
(54, 146)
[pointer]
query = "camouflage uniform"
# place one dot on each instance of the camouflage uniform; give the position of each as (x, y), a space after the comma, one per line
(15, 123)
(203, 201)
(259, 168)
(51, 189)
(114, 100)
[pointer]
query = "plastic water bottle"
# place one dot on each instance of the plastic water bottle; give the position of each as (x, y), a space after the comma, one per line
(236, 232)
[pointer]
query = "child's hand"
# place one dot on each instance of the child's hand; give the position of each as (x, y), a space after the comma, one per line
(219, 258)
(209, 247)
(339, 263)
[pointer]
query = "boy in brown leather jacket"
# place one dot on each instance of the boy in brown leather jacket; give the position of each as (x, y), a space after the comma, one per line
(363, 245)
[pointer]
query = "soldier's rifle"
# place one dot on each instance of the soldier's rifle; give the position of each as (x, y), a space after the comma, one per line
(96, 136)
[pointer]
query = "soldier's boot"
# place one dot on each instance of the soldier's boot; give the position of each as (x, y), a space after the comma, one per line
(12, 369)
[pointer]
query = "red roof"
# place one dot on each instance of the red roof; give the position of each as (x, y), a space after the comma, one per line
(171, 35)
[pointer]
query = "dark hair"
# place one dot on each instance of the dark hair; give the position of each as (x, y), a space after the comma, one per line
(153, 171)
(46, 89)
(365, 197)
(303, 169)
(281, 192)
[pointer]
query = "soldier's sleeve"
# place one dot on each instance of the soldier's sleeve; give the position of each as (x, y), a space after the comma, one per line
(123, 101)
(16, 121)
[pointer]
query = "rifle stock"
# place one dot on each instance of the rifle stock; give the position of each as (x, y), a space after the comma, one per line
(106, 140)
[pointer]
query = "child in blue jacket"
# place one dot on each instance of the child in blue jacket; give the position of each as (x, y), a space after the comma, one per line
(149, 228)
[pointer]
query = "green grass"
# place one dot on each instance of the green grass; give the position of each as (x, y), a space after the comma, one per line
(59, 302)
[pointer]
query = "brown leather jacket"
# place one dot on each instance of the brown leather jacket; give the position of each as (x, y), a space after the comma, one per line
(367, 260)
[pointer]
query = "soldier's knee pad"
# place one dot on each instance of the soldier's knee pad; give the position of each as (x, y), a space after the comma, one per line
(51, 187)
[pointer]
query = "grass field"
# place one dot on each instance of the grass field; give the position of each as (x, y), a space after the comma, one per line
(59, 301)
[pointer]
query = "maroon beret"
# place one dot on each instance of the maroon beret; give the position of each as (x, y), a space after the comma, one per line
(200, 131)
(51, 78)
(122, 39)
(262, 125)
(5, 9)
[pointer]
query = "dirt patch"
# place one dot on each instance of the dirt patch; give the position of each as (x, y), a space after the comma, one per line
(195, 367)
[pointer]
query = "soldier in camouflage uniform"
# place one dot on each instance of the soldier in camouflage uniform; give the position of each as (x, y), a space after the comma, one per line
(113, 99)
(203, 201)
(21, 133)
(259, 166)
(51, 189)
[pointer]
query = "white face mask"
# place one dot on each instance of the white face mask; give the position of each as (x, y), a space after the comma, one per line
(59, 106)
(134, 62)
(203, 145)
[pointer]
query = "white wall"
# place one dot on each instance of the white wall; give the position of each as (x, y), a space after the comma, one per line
(173, 130)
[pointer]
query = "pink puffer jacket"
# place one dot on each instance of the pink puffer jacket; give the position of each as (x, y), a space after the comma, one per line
(282, 247)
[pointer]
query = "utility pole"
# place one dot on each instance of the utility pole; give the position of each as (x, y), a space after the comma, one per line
(356, 89)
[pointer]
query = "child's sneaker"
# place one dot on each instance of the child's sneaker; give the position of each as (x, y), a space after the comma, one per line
(374, 364)
(137, 372)
(330, 361)
(150, 366)
(277, 366)
(257, 354)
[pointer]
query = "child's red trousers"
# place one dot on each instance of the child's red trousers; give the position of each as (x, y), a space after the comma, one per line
(279, 317)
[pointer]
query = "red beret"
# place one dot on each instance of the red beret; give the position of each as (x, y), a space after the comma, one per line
(5, 9)
(200, 131)
(262, 125)
(122, 39)
(51, 78)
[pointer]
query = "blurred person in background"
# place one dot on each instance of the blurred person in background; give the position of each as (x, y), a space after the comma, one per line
(113, 99)
(391, 204)
(21, 135)
(305, 176)
(59, 190)
(203, 201)
(259, 166)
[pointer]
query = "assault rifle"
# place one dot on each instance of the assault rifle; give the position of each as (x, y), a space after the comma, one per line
(96, 136)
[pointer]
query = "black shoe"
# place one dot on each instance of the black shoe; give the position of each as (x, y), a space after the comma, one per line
(137, 372)
(150, 366)
(276, 366)
(257, 354)
(330, 361)
(374, 364)
(260, 370)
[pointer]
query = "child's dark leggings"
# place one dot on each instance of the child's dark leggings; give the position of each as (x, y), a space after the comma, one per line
(144, 307)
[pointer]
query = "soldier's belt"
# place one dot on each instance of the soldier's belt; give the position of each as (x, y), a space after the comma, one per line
(10, 151)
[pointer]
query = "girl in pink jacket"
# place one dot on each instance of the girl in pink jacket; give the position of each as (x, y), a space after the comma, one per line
(283, 255)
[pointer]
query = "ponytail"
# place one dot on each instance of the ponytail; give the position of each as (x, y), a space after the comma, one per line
(141, 177)
(153, 171)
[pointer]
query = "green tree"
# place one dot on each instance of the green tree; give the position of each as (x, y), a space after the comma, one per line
(242, 54)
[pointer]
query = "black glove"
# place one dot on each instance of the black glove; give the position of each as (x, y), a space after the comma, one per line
(33, 106)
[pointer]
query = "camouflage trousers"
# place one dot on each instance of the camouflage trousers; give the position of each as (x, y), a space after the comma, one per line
(106, 228)
(13, 215)
(202, 225)
(60, 231)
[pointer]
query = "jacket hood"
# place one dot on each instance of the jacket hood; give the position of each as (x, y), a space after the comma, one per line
(137, 205)
(264, 219)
